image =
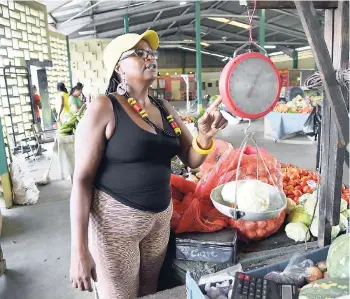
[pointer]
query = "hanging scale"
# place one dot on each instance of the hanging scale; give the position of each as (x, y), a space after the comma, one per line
(250, 84)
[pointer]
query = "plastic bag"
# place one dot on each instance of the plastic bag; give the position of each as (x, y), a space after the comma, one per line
(24, 189)
(295, 272)
(309, 127)
(220, 147)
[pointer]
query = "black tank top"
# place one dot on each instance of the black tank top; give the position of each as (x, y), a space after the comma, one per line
(136, 164)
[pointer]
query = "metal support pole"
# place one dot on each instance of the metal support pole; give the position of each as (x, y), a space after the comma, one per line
(69, 64)
(126, 23)
(198, 55)
(188, 106)
(183, 62)
(295, 59)
(262, 29)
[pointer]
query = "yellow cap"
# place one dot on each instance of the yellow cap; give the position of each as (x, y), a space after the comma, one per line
(123, 43)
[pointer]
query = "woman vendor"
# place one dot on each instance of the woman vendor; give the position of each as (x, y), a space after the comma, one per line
(120, 201)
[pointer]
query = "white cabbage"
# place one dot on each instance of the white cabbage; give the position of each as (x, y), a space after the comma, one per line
(343, 223)
(310, 204)
(343, 205)
(228, 192)
(297, 232)
(252, 196)
(314, 229)
(305, 197)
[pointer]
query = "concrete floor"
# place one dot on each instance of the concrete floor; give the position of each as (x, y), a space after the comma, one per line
(36, 239)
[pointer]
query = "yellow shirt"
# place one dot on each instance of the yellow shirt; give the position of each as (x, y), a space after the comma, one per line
(66, 108)
(65, 97)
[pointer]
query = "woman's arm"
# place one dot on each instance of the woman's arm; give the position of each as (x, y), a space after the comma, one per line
(211, 122)
(96, 126)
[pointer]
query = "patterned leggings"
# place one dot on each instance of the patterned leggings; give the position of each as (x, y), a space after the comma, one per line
(128, 247)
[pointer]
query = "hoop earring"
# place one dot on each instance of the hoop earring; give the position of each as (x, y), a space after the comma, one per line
(122, 87)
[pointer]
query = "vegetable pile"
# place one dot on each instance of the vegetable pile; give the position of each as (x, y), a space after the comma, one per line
(326, 279)
(298, 179)
(69, 127)
(297, 105)
(295, 182)
(300, 217)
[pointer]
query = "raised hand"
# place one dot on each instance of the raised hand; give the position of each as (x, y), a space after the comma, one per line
(212, 120)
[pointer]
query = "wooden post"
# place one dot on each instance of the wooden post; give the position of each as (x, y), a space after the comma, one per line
(324, 63)
(330, 54)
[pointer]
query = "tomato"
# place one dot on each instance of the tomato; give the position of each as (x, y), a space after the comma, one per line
(290, 187)
(297, 193)
(297, 181)
(305, 172)
(310, 191)
(303, 184)
(292, 170)
(304, 179)
(343, 187)
(294, 176)
(290, 192)
(296, 200)
(299, 171)
(291, 196)
(300, 188)
(284, 185)
(306, 189)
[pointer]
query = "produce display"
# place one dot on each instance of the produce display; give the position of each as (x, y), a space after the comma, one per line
(298, 179)
(326, 279)
(297, 182)
(300, 218)
(69, 127)
(297, 105)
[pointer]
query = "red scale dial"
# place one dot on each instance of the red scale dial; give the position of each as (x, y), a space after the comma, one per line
(250, 85)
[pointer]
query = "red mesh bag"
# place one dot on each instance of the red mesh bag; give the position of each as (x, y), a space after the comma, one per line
(257, 230)
(201, 216)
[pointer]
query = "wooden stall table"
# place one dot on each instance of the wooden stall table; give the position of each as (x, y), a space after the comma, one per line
(278, 125)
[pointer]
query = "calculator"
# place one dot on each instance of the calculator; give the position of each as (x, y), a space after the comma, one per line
(250, 287)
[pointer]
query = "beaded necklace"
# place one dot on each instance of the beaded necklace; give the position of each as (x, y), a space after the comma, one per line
(144, 116)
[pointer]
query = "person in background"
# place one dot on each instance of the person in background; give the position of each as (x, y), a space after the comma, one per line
(74, 100)
(37, 104)
(62, 106)
(81, 86)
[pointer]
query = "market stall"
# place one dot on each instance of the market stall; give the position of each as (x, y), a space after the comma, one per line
(289, 118)
(317, 205)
